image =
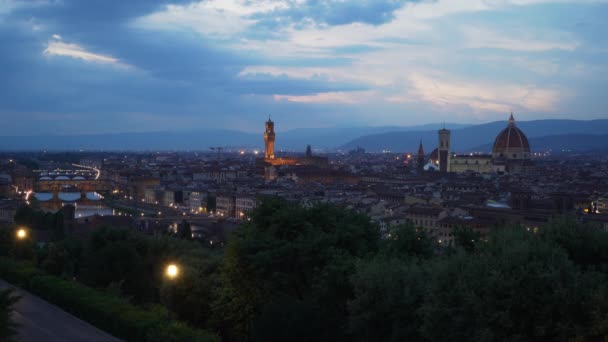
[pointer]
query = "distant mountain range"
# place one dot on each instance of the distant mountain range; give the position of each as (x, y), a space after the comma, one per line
(576, 135)
(565, 143)
(297, 139)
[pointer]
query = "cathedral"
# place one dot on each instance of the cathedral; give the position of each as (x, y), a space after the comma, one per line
(510, 154)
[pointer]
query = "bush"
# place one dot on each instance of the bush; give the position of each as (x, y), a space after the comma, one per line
(18, 273)
(104, 310)
(7, 326)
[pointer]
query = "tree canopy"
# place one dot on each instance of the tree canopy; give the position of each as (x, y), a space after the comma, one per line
(323, 273)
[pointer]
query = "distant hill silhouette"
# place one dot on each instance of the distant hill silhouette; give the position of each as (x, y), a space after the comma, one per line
(481, 137)
(465, 138)
(132, 141)
(294, 139)
(565, 143)
(332, 137)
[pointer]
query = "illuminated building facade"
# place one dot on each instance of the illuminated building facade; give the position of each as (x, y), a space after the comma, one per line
(269, 138)
(510, 153)
(271, 159)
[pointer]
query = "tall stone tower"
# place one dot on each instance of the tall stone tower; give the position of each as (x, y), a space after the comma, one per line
(444, 150)
(269, 139)
(420, 161)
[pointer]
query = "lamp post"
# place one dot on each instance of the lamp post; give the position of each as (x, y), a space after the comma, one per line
(21, 234)
(172, 271)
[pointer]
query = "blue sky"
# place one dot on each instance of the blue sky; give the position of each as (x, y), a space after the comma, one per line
(97, 66)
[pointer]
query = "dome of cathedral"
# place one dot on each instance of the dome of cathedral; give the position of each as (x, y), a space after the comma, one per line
(434, 155)
(511, 143)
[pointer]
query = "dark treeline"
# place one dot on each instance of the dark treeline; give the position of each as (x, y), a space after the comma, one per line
(324, 274)
(37, 219)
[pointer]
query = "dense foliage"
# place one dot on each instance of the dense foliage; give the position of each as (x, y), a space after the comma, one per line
(286, 273)
(37, 219)
(324, 274)
(7, 326)
(104, 310)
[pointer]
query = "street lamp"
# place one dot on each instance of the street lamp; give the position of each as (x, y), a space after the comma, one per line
(21, 234)
(172, 271)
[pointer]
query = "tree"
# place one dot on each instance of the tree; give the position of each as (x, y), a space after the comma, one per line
(191, 294)
(24, 216)
(7, 302)
(290, 254)
(58, 231)
(184, 231)
(388, 293)
(112, 257)
(55, 259)
(520, 288)
(466, 238)
(7, 239)
(586, 245)
(406, 241)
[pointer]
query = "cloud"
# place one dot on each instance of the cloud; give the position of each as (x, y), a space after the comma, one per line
(59, 48)
(351, 97)
(442, 8)
(7, 6)
(486, 38)
(218, 63)
(223, 18)
(331, 13)
(482, 96)
(219, 19)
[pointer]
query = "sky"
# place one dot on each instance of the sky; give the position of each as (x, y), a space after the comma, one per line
(100, 66)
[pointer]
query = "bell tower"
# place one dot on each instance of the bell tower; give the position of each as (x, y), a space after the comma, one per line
(269, 139)
(444, 150)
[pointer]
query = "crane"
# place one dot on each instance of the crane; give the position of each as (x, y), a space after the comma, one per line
(219, 151)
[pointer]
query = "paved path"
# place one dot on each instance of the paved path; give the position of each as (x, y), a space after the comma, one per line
(41, 321)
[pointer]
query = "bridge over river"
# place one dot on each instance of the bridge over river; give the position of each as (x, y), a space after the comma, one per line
(64, 184)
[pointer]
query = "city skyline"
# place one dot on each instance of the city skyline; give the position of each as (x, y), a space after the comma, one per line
(140, 66)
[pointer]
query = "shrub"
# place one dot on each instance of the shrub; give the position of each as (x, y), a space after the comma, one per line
(7, 326)
(104, 310)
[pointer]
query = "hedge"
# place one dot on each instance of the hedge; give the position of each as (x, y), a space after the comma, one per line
(103, 310)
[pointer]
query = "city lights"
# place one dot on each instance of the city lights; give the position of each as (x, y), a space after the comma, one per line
(304, 170)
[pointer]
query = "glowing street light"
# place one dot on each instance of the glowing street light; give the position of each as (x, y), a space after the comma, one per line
(21, 234)
(172, 271)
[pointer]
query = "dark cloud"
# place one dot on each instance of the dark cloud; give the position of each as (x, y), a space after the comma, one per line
(329, 12)
(92, 12)
(172, 74)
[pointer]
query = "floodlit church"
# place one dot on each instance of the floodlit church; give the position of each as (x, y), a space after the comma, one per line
(510, 153)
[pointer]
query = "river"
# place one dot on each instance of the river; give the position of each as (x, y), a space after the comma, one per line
(82, 210)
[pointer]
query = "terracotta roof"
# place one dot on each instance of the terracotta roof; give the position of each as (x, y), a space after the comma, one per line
(434, 155)
(511, 138)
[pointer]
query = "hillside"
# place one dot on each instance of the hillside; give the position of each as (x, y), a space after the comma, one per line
(482, 136)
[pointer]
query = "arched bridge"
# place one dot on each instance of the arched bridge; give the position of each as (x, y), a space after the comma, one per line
(83, 186)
